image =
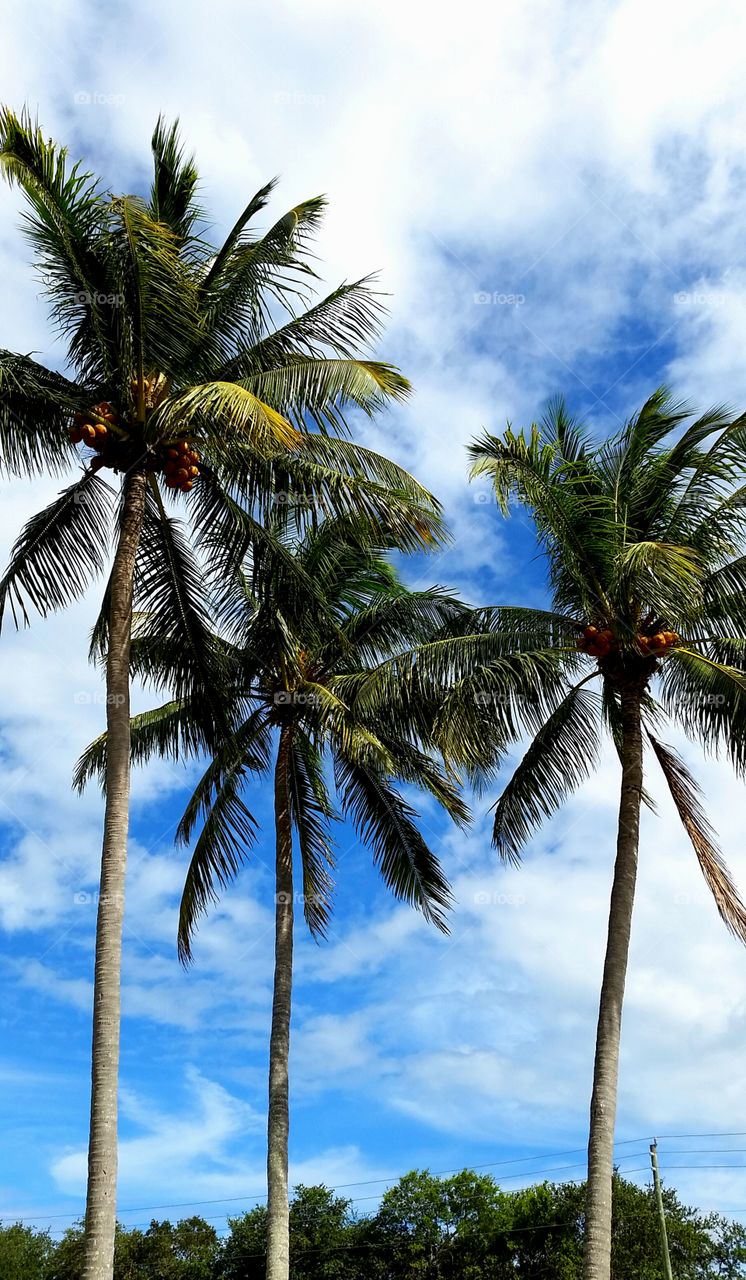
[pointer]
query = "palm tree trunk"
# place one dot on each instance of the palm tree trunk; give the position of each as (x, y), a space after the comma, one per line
(597, 1263)
(100, 1221)
(278, 1125)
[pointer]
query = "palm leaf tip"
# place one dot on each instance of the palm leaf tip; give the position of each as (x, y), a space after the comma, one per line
(685, 794)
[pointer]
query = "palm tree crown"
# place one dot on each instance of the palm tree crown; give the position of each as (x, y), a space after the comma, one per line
(645, 538)
(177, 368)
(310, 613)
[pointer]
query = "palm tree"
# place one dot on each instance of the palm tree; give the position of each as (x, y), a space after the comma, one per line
(314, 609)
(181, 381)
(644, 537)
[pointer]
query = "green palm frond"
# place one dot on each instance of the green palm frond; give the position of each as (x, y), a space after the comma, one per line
(320, 389)
(659, 492)
(565, 505)
(398, 619)
(531, 628)
(346, 320)
(214, 411)
(415, 767)
(385, 822)
(229, 829)
(624, 453)
(59, 551)
(570, 438)
(686, 796)
(249, 275)
(171, 597)
(67, 225)
(354, 461)
(36, 407)
(311, 811)
(175, 181)
(220, 259)
(723, 593)
(708, 700)
(562, 755)
(171, 732)
(662, 574)
(157, 317)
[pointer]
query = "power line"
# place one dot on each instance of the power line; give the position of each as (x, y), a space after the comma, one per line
(493, 1164)
(342, 1186)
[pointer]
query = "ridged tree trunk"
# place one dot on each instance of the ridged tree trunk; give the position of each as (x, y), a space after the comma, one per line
(597, 1263)
(100, 1220)
(278, 1125)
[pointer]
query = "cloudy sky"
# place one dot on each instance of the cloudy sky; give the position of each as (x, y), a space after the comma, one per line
(554, 195)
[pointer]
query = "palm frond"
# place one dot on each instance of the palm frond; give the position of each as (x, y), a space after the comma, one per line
(67, 226)
(662, 574)
(385, 822)
(171, 597)
(311, 811)
(348, 318)
(565, 504)
(158, 319)
(708, 699)
(175, 181)
(686, 796)
(562, 755)
(229, 829)
(36, 407)
(255, 206)
(59, 551)
(171, 732)
(249, 274)
(320, 389)
(213, 411)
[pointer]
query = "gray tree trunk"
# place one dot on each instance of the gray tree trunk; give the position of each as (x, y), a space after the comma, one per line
(597, 1261)
(100, 1220)
(278, 1125)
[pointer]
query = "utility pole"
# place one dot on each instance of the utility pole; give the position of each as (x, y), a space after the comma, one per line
(661, 1212)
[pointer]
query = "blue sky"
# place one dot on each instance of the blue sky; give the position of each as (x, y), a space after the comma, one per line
(584, 170)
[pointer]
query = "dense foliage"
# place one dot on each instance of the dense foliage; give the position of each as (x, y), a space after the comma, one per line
(426, 1227)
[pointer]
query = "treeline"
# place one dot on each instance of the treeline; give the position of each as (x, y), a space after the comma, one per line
(426, 1227)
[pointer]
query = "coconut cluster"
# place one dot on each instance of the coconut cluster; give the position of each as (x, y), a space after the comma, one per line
(103, 431)
(659, 643)
(180, 464)
(599, 642)
(96, 428)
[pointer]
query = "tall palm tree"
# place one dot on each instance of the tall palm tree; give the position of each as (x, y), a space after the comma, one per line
(644, 536)
(180, 379)
(306, 617)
